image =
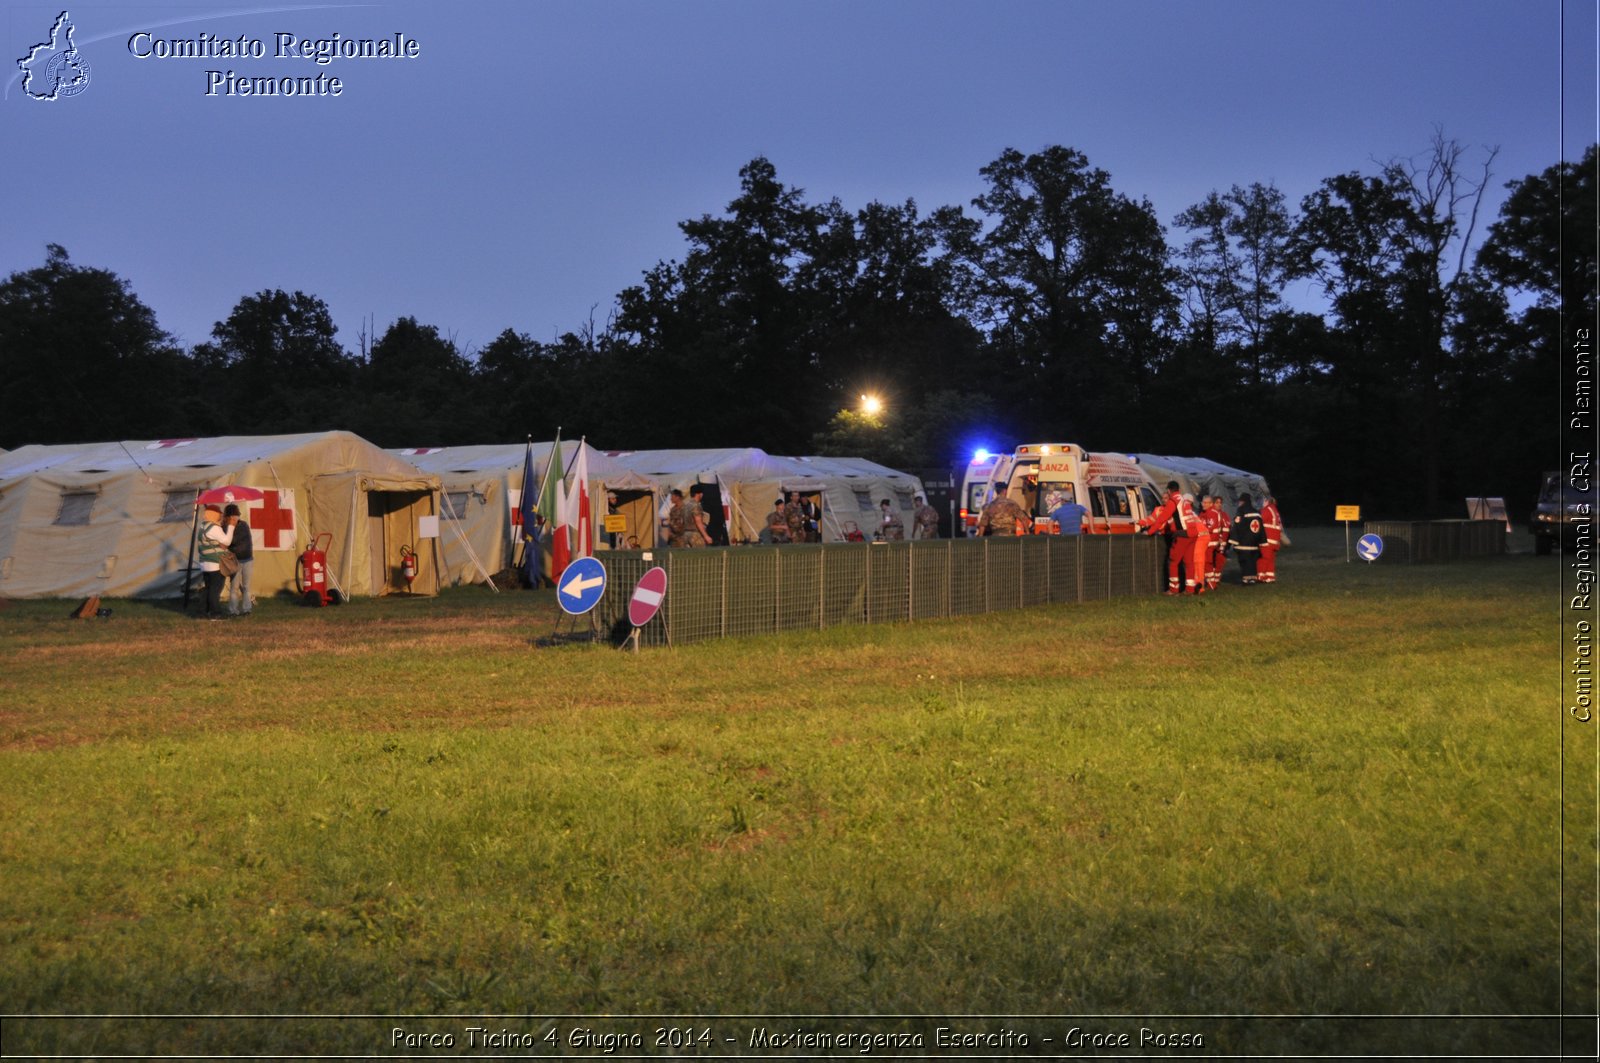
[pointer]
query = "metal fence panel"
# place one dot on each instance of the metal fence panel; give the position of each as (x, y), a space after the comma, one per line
(968, 566)
(930, 579)
(1003, 572)
(799, 587)
(1066, 568)
(752, 590)
(1439, 540)
(844, 584)
(1122, 579)
(749, 590)
(1034, 579)
(888, 582)
(694, 603)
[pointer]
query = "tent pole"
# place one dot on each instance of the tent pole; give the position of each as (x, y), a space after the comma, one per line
(188, 568)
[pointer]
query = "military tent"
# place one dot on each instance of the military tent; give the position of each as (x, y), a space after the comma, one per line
(117, 519)
(738, 474)
(851, 489)
(482, 493)
(749, 480)
(1200, 476)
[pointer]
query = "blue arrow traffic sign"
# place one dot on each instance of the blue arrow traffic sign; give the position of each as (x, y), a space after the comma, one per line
(581, 586)
(1369, 547)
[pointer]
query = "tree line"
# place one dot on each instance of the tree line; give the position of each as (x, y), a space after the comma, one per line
(1052, 307)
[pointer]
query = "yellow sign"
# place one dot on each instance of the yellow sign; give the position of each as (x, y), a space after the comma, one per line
(1346, 512)
(616, 524)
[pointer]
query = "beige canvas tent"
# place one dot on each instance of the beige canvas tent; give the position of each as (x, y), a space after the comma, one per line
(846, 490)
(1201, 476)
(116, 519)
(482, 492)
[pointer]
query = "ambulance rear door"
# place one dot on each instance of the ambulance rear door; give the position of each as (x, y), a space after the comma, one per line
(1054, 475)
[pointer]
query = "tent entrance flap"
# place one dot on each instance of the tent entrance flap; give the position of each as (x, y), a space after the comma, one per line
(393, 525)
(638, 510)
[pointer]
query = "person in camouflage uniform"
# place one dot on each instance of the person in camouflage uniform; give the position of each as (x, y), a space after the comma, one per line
(677, 521)
(795, 515)
(925, 520)
(890, 526)
(1003, 516)
(777, 524)
(697, 533)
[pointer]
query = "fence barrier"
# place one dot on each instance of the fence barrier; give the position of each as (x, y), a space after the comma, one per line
(1438, 540)
(757, 590)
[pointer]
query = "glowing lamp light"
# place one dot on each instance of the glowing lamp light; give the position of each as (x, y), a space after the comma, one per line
(871, 405)
(980, 455)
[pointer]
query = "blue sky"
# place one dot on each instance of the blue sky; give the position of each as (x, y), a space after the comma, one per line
(536, 157)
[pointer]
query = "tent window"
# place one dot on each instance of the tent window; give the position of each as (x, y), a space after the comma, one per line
(178, 506)
(864, 499)
(75, 508)
(456, 504)
(903, 497)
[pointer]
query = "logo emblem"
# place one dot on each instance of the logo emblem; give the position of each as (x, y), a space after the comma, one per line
(55, 69)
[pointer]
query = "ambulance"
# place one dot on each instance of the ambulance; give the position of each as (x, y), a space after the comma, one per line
(1041, 476)
(974, 483)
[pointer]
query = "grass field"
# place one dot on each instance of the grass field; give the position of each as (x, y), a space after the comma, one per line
(1267, 818)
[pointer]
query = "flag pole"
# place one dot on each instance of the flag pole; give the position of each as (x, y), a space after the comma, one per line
(519, 546)
(554, 447)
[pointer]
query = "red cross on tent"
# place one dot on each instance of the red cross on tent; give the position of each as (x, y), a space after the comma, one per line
(270, 518)
(163, 444)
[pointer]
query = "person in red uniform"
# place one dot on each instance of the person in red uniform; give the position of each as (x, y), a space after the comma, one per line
(1272, 522)
(1216, 523)
(1186, 543)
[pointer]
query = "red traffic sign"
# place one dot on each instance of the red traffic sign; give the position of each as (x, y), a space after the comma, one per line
(647, 596)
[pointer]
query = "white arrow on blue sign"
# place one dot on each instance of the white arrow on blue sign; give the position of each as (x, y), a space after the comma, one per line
(581, 586)
(1369, 547)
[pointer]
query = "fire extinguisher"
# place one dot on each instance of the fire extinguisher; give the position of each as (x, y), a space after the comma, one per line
(408, 565)
(311, 572)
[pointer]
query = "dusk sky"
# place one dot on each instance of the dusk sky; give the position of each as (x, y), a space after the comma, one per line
(535, 158)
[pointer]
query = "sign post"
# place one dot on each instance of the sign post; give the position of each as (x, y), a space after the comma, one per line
(1347, 514)
(581, 586)
(1370, 547)
(647, 595)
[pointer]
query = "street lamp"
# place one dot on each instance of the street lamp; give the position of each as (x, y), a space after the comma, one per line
(871, 405)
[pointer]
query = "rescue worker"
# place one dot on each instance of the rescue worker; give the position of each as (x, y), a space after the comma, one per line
(1248, 533)
(677, 521)
(925, 520)
(1216, 523)
(1273, 522)
(1187, 541)
(1003, 516)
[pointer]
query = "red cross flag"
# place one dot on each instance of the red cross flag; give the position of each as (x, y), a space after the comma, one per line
(272, 520)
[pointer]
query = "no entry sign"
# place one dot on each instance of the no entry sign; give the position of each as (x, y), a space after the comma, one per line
(647, 596)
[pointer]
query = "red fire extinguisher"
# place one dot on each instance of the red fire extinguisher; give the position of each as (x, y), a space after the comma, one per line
(311, 573)
(408, 565)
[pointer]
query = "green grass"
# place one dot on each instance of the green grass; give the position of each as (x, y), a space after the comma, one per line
(1339, 796)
